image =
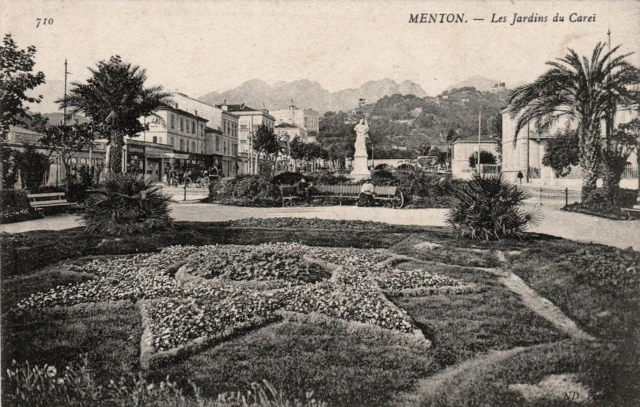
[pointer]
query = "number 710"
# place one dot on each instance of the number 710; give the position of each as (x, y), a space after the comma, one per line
(44, 21)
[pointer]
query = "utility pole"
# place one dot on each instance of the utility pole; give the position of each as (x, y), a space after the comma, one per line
(479, 132)
(64, 117)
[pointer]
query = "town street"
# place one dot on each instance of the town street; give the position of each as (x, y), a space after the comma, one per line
(573, 226)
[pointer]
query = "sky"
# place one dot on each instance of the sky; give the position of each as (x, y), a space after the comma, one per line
(200, 46)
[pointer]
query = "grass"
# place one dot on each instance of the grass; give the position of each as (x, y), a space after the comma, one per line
(464, 325)
(343, 363)
(108, 332)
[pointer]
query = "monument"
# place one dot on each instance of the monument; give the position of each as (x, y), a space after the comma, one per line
(360, 161)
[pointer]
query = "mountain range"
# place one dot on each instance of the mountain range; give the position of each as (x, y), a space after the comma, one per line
(304, 93)
(309, 94)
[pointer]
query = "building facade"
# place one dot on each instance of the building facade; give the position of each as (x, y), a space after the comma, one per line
(175, 137)
(221, 133)
(292, 132)
(524, 152)
(248, 120)
(463, 149)
(304, 118)
(92, 160)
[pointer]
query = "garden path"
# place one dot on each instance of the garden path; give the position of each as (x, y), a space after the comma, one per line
(574, 226)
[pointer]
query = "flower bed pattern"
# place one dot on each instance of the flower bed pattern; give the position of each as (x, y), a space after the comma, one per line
(178, 312)
(303, 223)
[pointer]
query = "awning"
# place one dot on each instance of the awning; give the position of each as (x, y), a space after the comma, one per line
(160, 154)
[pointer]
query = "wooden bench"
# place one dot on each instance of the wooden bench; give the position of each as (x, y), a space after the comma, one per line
(40, 202)
(388, 195)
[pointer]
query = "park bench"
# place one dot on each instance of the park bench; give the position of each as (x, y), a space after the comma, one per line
(40, 202)
(388, 195)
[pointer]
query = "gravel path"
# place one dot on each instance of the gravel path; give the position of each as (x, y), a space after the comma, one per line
(574, 226)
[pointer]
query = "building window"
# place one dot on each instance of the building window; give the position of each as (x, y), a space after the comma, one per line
(193, 146)
(181, 145)
(193, 127)
(172, 121)
(244, 127)
(217, 143)
(171, 141)
(155, 139)
(181, 124)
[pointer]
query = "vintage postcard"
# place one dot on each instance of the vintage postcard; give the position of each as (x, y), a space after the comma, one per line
(320, 203)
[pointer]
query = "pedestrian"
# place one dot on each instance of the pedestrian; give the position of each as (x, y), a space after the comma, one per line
(520, 176)
(365, 198)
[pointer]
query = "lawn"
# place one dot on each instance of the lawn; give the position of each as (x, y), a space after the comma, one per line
(342, 360)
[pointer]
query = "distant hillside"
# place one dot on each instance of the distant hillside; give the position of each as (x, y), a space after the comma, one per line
(309, 94)
(479, 82)
(407, 122)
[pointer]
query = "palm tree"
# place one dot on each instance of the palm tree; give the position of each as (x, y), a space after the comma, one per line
(115, 98)
(582, 90)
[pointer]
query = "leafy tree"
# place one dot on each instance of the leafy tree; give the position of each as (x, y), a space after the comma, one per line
(562, 152)
(16, 78)
(486, 157)
(37, 122)
(265, 141)
(582, 90)
(66, 141)
(32, 165)
(115, 98)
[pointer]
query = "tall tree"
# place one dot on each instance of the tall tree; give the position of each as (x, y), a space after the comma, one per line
(66, 141)
(114, 98)
(16, 78)
(266, 142)
(562, 152)
(581, 90)
(619, 146)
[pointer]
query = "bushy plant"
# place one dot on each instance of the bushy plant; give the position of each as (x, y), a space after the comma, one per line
(251, 190)
(287, 178)
(15, 206)
(488, 208)
(126, 204)
(610, 269)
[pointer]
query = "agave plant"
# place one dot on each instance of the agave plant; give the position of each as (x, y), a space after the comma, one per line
(126, 204)
(489, 208)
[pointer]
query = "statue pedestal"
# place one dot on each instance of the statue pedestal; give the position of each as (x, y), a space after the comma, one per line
(360, 167)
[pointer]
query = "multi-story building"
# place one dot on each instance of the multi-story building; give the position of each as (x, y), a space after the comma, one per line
(305, 118)
(248, 119)
(175, 137)
(292, 132)
(524, 152)
(221, 133)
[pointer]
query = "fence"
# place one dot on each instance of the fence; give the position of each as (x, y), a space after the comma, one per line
(630, 173)
(552, 196)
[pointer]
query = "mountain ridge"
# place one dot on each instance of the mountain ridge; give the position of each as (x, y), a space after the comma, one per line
(310, 94)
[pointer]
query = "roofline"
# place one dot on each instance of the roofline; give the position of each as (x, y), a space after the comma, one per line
(183, 112)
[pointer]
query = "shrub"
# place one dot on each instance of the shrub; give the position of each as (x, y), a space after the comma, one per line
(15, 206)
(287, 178)
(125, 204)
(610, 269)
(249, 190)
(488, 208)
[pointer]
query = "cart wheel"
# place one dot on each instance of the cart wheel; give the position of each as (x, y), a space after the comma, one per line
(398, 200)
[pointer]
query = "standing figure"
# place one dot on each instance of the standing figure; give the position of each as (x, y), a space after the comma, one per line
(520, 176)
(362, 130)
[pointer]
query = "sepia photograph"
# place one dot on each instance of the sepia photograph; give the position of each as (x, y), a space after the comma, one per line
(297, 203)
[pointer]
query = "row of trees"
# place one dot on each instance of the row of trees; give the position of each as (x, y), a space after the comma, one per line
(588, 92)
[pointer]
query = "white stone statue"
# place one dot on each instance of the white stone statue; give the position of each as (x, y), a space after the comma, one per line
(362, 128)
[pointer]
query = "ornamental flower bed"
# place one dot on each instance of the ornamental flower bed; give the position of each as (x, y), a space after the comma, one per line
(265, 262)
(303, 223)
(177, 312)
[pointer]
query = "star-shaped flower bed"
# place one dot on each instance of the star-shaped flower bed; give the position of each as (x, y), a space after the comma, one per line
(220, 291)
